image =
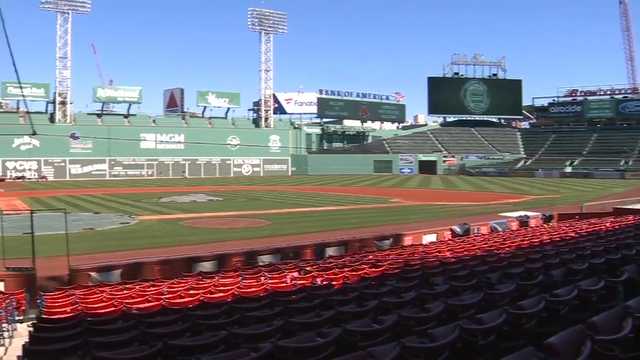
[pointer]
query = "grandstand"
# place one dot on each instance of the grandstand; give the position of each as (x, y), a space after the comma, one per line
(462, 141)
(418, 143)
(504, 140)
(582, 149)
(205, 234)
(578, 149)
(568, 290)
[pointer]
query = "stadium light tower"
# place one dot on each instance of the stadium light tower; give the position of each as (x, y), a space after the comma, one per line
(628, 42)
(267, 23)
(64, 10)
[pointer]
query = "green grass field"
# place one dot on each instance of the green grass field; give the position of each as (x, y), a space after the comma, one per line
(153, 234)
(149, 203)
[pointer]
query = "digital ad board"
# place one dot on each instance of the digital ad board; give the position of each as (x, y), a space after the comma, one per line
(599, 109)
(339, 108)
(448, 96)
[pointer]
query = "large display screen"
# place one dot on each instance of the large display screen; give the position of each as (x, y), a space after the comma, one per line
(474, 97)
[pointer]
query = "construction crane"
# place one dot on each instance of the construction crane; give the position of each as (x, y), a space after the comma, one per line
(99, 66)
(628, 42)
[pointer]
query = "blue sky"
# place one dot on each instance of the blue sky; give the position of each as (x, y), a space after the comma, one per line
(373, 45)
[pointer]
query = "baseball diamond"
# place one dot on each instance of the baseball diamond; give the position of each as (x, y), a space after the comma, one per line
(356, 200)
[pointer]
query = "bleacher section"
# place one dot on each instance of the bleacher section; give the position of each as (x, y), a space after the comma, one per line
(563, 291)
(505, 140)
(619, 143)
(416, 143)
(568, 144)
(534, 141)
(460, 141)
(634, 166)
(583, 149)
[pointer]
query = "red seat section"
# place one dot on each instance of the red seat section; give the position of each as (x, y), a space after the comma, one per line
(192, 288)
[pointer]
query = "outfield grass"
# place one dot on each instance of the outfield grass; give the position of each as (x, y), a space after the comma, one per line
(149, 203)
(152, 234)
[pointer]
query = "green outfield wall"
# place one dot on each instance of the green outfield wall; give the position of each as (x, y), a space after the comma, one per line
(82, 151)
(364, 164)
(147, 147)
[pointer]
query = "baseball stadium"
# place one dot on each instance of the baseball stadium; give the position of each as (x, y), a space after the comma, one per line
(321, 225)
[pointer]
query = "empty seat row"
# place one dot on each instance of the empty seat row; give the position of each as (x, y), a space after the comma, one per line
(108, 299)
(525, 272)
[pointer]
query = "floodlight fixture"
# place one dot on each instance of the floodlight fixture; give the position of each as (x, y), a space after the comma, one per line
(64, 10)
(73, 6)
(267, 23)
(477, 66)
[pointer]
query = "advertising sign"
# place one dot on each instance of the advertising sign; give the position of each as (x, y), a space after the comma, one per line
(25, 142)
(362, 95)
(163, 141)
(475, 97)
(596, 91)
(142, 167)
(290, 103)
(28, 168)
(407, 171)
(32, 91)
(602, 109)
(334, 108)
(117, 94)
(87, 168)
(221, 99)
(407, 159)
(564, 109)
(629, 108)
(77, 144)
(173, 101)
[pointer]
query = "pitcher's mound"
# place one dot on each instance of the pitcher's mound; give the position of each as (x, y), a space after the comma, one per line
(226, 223)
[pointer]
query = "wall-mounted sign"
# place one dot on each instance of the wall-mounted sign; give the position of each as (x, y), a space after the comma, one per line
(221, 99)
(31, 91)
(117, 94)
(173, 101)
(162, 141)
(25, 143)
(362, 95)
(289, 103)
(599, 91)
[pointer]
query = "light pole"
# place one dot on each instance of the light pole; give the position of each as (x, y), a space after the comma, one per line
(64, 10)
(267, 23)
